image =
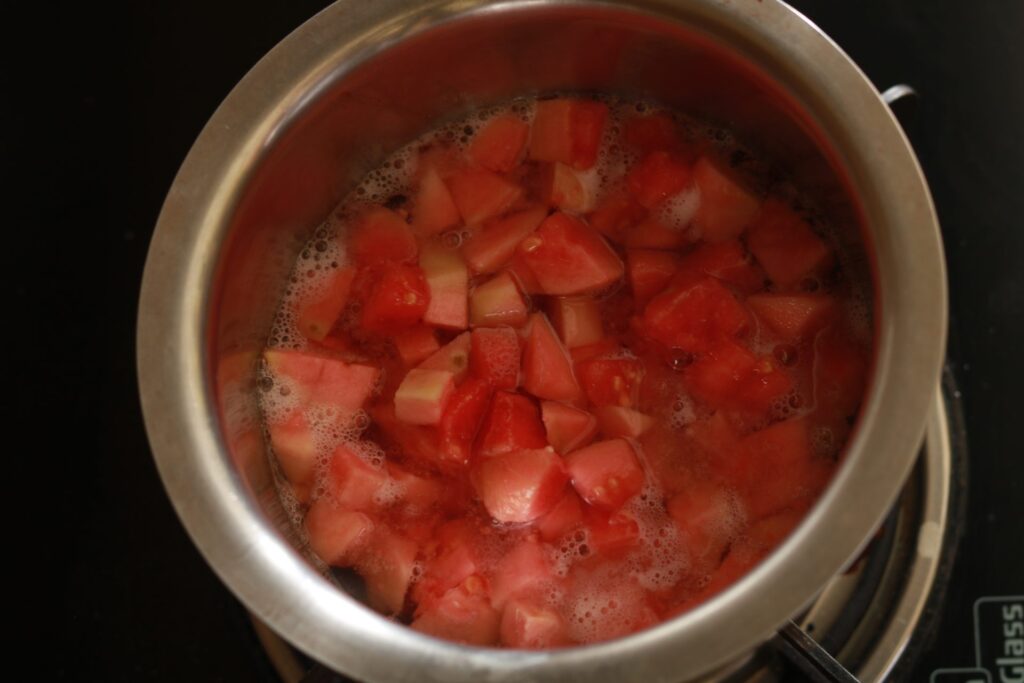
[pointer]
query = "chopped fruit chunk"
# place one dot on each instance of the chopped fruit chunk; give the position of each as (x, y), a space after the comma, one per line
(588, 119)
(785, 245)
(649, 271)
(434, 210)
(565, 516)
(840, 369)
(423, 395)
(716, 376)
(726, 208)
(397, 301)
(323, 380)
(709, 519)
(494, 245)
(461, 419)
(481, 194)
(567, 257)
(728, 261)
(353, 483)
(387, 566)
(768, 388)
(652, 233)
(616, 213)
(413, 441)
(381, 235)
(453, 357)
(512, 423)
(579, 344)
(335, 535)
(611, 381)
(498, 302)
(452, 556)
(551, 133)
(562, 188)
(657, 177)
(610, 534)
(520, 486)
(524, 571)
(547, 368)
(694, 316)
(776, 467)
(616, 421)
(495, 356)
(567, 428)
(730, 376)
(318, 312)
(464, 615)
(295, 447)
(448, 282)
(521, 271)
(416, 345)
(568, 131)
(606, 474)
(527, 626)
(793, 316)
(577, 320)
(499, 145)
(412, 495)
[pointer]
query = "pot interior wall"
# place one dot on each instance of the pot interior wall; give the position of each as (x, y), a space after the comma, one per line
(407, 82)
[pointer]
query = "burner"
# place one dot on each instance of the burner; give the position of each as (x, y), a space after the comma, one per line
(877, 616)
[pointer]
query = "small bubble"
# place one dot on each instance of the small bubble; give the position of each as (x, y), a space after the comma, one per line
(681, 361)
(452, 239)
(785, 354)
(810, 284)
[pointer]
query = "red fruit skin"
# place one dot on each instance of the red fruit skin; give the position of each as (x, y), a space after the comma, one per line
(547, 367)
(657, 177)
(786, 247)
(381, 235)
(396, 302)
(567, 257)
(498, 146)
(494, 356)
(694, 316)
(512, 422)
(606, 474)
(520, 486)
(527, 626)
(461, 420)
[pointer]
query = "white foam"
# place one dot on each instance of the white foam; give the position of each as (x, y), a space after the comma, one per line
(678, 210)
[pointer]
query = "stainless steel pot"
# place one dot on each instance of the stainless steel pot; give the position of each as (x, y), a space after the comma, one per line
(358, 80)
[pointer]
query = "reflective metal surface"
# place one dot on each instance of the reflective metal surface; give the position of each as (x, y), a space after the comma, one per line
(357, 81)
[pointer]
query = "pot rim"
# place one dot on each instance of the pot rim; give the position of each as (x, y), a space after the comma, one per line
(277, 584)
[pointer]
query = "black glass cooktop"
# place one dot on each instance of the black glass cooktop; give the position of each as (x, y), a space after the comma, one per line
(134, 87)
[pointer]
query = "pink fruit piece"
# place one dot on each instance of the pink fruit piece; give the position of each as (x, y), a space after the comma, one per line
(337, 536)
(423, 395)
(520, 486)
(567, 428)
(547, 367)
(606, 474)
(448, 281)
(498, 302)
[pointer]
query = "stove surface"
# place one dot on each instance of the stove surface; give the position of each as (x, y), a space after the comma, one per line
(140, 604)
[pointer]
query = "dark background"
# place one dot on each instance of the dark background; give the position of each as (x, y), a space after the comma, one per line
(132, 87)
